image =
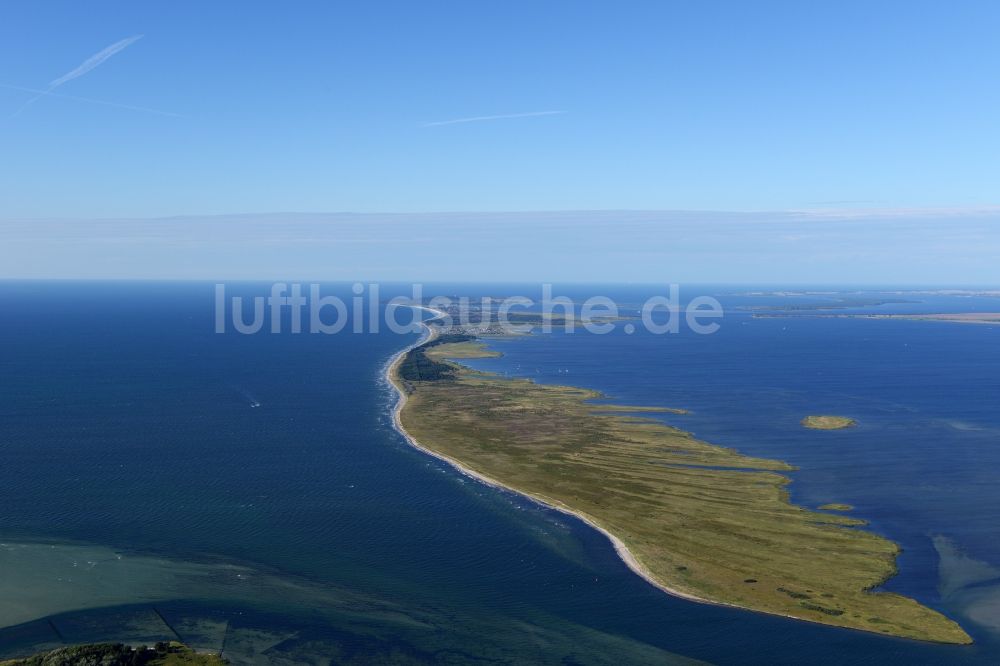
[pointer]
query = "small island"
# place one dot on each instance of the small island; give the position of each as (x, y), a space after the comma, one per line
(828, 422)
(836, 506)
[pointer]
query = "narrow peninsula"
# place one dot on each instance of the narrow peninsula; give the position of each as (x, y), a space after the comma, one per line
(697, 520)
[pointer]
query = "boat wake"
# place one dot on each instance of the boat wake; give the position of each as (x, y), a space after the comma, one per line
(249, 397)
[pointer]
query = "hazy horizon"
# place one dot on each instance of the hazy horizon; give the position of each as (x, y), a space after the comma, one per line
(819, 247)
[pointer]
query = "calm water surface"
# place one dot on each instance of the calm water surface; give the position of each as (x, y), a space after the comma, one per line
(144, 495)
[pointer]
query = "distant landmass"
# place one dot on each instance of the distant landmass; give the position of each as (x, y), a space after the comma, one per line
(953, 317)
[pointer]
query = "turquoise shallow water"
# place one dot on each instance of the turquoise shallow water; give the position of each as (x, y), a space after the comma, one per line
(143, 495)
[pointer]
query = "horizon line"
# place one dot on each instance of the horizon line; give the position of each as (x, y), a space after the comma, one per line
(844, 286)
(817, 212)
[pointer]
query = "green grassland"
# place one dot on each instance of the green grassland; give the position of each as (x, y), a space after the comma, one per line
(458, 350)
(619, 409)
(699, 519)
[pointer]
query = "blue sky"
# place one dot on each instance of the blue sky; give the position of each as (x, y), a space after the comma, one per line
(133, 110)
(322, 106)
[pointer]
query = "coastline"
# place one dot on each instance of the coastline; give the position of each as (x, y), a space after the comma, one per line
(391, 376)
(621, 549)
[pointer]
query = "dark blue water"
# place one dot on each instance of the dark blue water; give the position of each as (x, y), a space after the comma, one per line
(128, 425)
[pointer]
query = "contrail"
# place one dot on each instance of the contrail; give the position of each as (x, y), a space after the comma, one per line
(95, 61)
(90, 100)
(90, 63)
(500, 117)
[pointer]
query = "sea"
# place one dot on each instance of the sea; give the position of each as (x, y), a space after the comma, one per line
(247, 493)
